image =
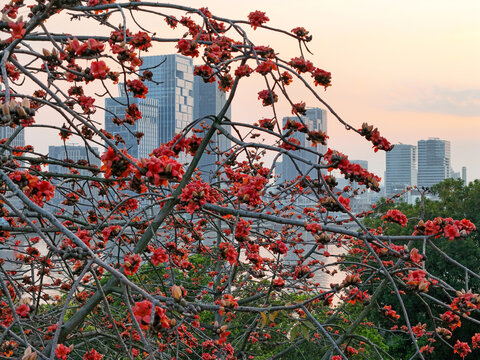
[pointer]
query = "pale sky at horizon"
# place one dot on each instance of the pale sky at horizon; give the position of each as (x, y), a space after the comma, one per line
(410, 68)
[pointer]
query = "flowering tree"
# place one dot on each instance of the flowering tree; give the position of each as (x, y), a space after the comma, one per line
(141, 258)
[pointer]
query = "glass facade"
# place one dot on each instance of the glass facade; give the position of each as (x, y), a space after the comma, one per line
(74, 153)
(401, 168)
(6, 132)
(172, 87)
(148, 125)
(315, 120)
(434, 161)
(209, 100)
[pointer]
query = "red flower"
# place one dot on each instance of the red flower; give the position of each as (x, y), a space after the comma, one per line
(141, 41)
(416, 280)
(415, 256)
(23, 310)
(267, 97)
(143, 313)
(302, 33)
(301, 65)
(257, 18)
(99, 70)
(92, 355)
(188, 47)
(196, 194)
(161, 170)
(116, 165)
(159, 256)
(322, 77)
(17, 30)
(475, 340)
(266, 67)
(243, 70)
(395, 216)
(286, 78)
(462, 349)
(62, 351)
(137, 87)
(131, 263)
(205, 72)
(278, 282)
(86, 103)
(229, 252)
(299, 108)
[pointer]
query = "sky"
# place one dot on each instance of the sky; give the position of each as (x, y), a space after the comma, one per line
(410, 68)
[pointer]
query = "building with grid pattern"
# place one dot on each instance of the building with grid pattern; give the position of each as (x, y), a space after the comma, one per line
(401, 168)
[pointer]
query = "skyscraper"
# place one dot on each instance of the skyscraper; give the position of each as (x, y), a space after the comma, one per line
(6, 132)
(74, 153)
(209, 100)
(148, 125)
(433, 161)
(401, 168)
(166, 110)
(173, 88)
(315, 120)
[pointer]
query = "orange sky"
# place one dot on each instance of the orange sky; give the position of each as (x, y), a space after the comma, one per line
(410, 68)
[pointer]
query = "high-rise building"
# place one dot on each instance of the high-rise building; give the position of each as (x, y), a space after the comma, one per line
(464, 175)
(172, 86)
(6, 132)
(166, 110)
(401, 168)
(73, 153)
(433, 161)
(148, 125)
(314, 120)
(209, 100)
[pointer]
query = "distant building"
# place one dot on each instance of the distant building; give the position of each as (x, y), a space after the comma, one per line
(173, 88)
(401, 168)
(148, 125)
(434, 161)
(315, 120)
(166, 110)
(464, 175)
(209, 100)
(73, 153)
(6, 132)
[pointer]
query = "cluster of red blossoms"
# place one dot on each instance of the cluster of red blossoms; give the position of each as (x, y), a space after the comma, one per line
(115, 164)
(373, 135)
(247, 188)
(352, 171)
(396, 216)
(257, 18)
(416, 280)
(160, 170)
(447, 227)
(143, 314)
(37, 190)
(320, 77)
(196, 194)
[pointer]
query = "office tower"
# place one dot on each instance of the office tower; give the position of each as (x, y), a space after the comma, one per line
(401, 168)
(73, 153)
(166, 110)
(464, 175)
(314, 120)
(209, 100)
(433, 161)
(172, 86)
(6, 132)
(148, 125)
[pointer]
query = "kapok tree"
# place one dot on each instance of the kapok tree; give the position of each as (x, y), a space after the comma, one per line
(140, 258)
